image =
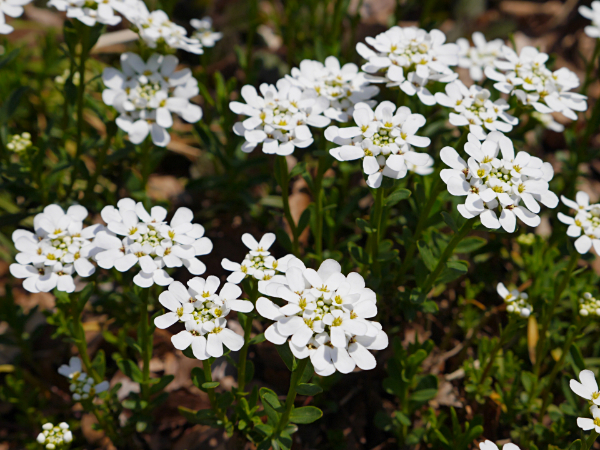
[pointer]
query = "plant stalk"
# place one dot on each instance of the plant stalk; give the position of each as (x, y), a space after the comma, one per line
(284, 178)
(377, 223)
(291, 396)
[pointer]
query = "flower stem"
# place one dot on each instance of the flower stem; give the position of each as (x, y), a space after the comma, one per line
(146, 161)
(207, 368)
(80, 341)
(590, 67)
(284, 180)
(291, 395)
(377, 223)
(506, 333)
(253, 295)
(318, 197)
(456, 239)
(589, 443)
(145, 344)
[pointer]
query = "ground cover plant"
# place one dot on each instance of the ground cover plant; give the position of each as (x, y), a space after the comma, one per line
(293, 225)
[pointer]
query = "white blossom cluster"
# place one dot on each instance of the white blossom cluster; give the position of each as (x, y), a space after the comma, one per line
(383, 139)
(59, 249)
(479, 56)
(134, 236)
(203, 312)
(11, 8)
(587, 388)
(589, 305)
(280, 118)
(82, 386)
(258, 262)
(585, 225)
(147, 93)
(203, 31)
(91, 12)
(489, 445)
(55, 437)
(19, 142)
(516, 302)
(410, 58)
(526, 76)
(473, 108)
(496, 182)
(325, 318)
(343, 86)
(593, 14)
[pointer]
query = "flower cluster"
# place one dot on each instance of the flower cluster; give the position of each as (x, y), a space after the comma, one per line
(589, 305)
(81, 385)
(204, 32)
(474, 109)
(383, 139)
(203, 312)
(495, 185)
(593, 14)
(342, 86)
(527, 77)
(279, 119)
(325, 318)
(410, 58)
(134, 236)
(585, 225)
(19, 142)
(587, 387)
(489, 445)
(11, 8)
(258, 262)
(59, 248)
(96, 11)
(146, 93)
(481, 55)
(516, 302)
(55, 437)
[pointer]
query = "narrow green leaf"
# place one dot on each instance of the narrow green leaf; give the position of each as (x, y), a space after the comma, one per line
(305, 414)
(309, 389)
(427, 255)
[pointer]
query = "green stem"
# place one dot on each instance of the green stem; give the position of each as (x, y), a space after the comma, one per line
(206, 367)
(247, 330)
(284, 178)
(146, 161)
(80, 340)
(318, 197)
(589, 443)
(506, 333)
(377, 223)
(456, 239)
(590, 67)
(111, 131)
(291, 395)
(145, 344)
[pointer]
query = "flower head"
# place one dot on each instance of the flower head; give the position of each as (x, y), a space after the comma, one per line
(135, 236)
(11, 8)
(204, 32)
(593, 14)
(91, 12)
(479, 56)
(516, 302)
(59, 248)
(55, 437)
(147, 93)
(585, 224)
(203, 312)
(587, 424)
(342, 86)
(495, 182)
(326, 317)
(589, 305)
(280, 118)
(410, 58)
(383, 139)
(19, 142)
(586, 387)
(81, 385)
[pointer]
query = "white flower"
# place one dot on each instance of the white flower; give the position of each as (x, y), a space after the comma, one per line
(157, 31)
(11, 8)
(593, 14)
(589, 305)
(585, 225)
(587, 424)
(280, 119)
(410, 58)
(516, 302)
(494, 184)
(146, 94)
(481, 55)
(383, 139)
(60, 247)
(326, 317)
(548, 121)
(204, 32)
(342, 86)
(82, 386)
(203, 311)
(95, 11)
(148, 240)
(473, 108)
(55, 437)
(587, 387)
(527, 77)
(489, 445)
(258, 262)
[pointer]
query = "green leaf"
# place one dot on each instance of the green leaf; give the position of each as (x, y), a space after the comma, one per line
(396, 196)
(8, 58)
(198, 377)
(358, 254)
(309, 389)
(364, 225)
(130, 368)
(257, 339)
(423, 395)
(577, 357)
(283, 239)
(264, 429)
(298, 169)
(470, 244)
(305, 414)
(449, 221)
(304, 221)
(210, 384)
(161, 383)
(99, 363)
(286, 355)
(11, 104)
(427, 255)
(453, 270)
